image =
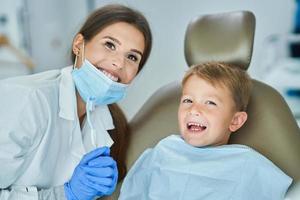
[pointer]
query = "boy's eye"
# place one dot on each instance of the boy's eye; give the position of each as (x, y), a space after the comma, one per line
(110, 45)
(210, 103)
(187, 101)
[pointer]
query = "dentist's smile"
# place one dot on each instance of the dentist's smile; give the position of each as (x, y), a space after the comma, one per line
(109, 75)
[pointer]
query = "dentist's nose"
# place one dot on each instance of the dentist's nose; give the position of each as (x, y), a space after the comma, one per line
(118, 61)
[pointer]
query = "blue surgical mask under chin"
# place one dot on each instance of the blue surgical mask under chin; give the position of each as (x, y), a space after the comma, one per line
(95, 86)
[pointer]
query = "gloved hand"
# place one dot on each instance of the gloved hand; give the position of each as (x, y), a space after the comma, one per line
(95, 175)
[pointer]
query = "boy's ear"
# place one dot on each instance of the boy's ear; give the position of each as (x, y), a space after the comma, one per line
(237, 121)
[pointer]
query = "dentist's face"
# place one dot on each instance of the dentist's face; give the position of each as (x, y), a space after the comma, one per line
(117, 51)
(206, 113)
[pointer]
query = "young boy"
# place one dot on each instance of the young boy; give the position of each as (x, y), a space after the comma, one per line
(200, 164)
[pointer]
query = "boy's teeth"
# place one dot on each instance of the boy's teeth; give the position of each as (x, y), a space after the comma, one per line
(109, 75)
(195, 126)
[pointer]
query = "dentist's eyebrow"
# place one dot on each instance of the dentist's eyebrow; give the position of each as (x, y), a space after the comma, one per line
(113, 39)
(137, 51)
(117, 41)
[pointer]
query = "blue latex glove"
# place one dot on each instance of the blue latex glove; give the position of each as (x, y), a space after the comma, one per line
(95, 175)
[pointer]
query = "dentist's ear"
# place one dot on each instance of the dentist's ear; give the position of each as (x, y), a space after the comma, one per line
(78, 48)
(78, 43)
(237, 121)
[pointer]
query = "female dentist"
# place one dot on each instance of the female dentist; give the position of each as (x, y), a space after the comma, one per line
(56, 127)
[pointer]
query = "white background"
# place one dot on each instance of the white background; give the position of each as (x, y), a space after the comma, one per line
(52, 25)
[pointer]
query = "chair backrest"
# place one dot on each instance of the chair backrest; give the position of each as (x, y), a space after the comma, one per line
(270, 128)
(225, 37)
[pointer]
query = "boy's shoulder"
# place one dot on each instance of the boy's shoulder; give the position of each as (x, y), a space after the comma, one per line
(175, 142)
(172, 141)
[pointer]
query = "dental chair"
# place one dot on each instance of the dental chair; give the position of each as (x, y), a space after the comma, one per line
(270, 128)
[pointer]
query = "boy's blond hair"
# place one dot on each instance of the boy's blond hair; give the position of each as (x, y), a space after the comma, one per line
(235, 79)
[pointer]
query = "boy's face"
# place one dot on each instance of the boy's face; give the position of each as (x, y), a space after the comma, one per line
(207, 113)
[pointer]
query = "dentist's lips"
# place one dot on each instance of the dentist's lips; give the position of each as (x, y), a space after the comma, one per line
(109, 75)
(195, 127)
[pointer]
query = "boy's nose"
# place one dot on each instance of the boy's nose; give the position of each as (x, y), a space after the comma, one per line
(196, 110)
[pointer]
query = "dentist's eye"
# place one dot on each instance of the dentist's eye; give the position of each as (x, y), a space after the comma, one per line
(210, 103)
(110, 45)
(132, 57)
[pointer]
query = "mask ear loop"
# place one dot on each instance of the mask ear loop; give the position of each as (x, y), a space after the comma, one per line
(89, 108)
(75, 62)
(82, 57)
(89, 104)
(83, 53)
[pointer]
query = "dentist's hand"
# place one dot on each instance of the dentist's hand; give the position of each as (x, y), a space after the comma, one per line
(95, 175)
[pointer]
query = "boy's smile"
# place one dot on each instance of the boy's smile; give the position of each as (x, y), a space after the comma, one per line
(195, 127)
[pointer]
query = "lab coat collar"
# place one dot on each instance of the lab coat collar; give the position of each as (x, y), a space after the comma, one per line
(67, 94)
(67, 103)
(100, 117)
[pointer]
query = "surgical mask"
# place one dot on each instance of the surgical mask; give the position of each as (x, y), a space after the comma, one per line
(95, 88)
(93, 85)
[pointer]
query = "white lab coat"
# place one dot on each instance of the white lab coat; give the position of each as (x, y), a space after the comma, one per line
(40, 137)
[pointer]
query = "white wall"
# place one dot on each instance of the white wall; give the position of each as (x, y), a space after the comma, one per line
(54, 23)
(9, 10)
(168, 20)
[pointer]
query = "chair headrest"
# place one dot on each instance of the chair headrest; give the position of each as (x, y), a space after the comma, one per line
(226, 37)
